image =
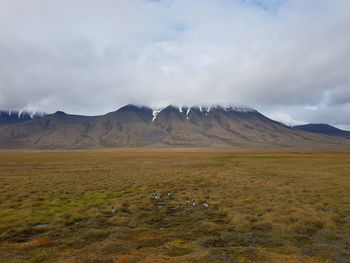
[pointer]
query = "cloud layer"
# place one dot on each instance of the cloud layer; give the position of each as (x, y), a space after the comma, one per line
(283, 57)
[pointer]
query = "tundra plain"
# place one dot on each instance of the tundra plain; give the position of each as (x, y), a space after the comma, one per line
(263, 206)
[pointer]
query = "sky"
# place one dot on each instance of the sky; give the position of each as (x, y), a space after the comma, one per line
(289, 59)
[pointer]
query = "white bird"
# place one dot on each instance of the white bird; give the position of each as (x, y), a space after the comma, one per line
(114, 209)
(154, 193)
(194, 203)
(187, 202)
(205, 204)
(180, 207)
(169, 194)
(69, 191)
(157, 197)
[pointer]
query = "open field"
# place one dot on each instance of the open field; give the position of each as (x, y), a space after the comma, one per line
(263, 207)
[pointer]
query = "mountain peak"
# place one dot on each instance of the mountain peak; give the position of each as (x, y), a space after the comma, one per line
(133, 107)
(60, 113)
(322, 128)
(208, 107)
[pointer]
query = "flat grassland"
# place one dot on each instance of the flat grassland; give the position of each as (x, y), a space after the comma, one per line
(263, 207)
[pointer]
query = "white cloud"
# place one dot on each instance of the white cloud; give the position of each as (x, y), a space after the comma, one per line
(91, 57)
(343, 127)
(286, 119)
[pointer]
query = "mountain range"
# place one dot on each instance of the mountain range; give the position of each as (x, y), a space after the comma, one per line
(133, 125)
(322, 128)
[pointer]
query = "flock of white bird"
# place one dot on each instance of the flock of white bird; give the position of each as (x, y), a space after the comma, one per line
(187, 201)
(158, 197)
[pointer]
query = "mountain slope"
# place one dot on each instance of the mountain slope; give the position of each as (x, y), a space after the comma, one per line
(9, 117)
(141, 126)
(323, 129)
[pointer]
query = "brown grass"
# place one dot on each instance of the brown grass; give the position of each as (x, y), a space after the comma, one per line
(263, 207)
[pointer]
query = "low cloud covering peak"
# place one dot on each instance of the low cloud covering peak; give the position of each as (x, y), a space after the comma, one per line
(90, 57)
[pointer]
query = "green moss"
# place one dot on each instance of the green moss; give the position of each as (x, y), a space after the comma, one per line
(40, 255)
(96, 234)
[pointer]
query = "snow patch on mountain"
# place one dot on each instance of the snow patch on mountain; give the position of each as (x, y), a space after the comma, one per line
(225, 107)
(32, 114)
(11, 116)
(155, 112)
(237, 108)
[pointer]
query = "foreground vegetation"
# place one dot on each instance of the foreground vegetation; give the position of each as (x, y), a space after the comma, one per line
(263, 207)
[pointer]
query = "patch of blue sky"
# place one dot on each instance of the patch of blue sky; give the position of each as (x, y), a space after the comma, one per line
(172, 34)
(267, 5)
(179, 27)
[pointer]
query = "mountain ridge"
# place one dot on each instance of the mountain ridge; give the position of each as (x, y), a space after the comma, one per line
(9, 116)
(133, 125)
(322, 128)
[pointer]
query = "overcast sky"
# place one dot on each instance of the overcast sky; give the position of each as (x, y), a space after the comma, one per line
(289, 59)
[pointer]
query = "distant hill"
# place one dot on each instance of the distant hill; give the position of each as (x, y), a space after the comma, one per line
(9, 117)
(131, 125)
(323, 129)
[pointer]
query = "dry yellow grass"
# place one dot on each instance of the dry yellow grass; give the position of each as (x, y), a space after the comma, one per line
(263, 207)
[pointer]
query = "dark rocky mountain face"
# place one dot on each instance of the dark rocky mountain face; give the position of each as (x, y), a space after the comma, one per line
(9, 117)
(323, 129)
(172, 126)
